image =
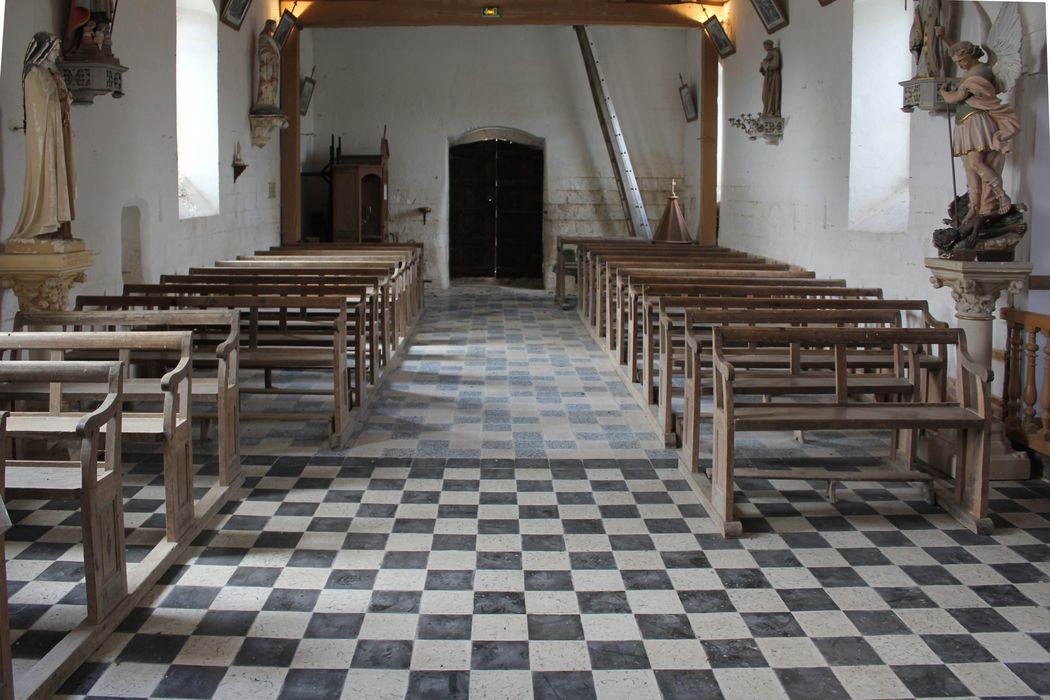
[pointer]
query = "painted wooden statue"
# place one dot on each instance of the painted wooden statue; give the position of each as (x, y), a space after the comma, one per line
(985, 126)
(268, 98)
(50, 186)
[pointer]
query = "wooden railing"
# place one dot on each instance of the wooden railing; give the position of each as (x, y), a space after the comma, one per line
(1026, 382)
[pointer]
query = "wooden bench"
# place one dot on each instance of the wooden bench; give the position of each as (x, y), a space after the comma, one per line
(661, 330)
(965, 498)
(610, 298)
(398, 307)
(628, 282)
(170, 427)
(97, 487)
(578, 247)
(374, 351)
(817, 364)
(408, 255)
(394, 312)
(593, 266)
(674, 300)
(216, 341)
(590, 265)
(702, 320)
(289, 333)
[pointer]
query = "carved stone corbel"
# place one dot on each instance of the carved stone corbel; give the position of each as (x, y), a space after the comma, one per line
(263, 126)
(42, 272)
(976, 300)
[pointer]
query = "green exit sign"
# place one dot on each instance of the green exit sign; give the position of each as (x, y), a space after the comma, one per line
(491, 11)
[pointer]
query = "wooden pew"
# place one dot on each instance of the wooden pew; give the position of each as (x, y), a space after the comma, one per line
(599, 284)
(171, 427)
(651, 301)
(401, 267)
(592, 255)
(353, 293)
(396, 311)
(290, 333)
(216, 341)
(97, 487)
(624, 304)
(7, 680)
(697, 355)
(588, 249)
(662, 318)
(611, 323)
(965, 497)
(399, 306)
(802, 316)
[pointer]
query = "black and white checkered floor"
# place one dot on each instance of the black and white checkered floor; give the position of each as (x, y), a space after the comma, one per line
(507, 525)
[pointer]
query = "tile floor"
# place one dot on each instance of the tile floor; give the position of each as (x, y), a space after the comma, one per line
(507, 525)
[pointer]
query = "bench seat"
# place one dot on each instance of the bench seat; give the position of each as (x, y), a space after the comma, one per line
(52, 480)
(874, 416)
(137, 426)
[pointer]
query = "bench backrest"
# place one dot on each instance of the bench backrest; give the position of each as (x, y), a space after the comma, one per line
(906, 344)
(108, 412)
(685, 295)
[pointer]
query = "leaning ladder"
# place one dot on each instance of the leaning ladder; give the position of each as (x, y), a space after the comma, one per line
(630, 195)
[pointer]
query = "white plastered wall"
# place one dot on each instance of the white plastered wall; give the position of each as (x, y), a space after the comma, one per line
(125, 150)
(431, 85)
(790, 201)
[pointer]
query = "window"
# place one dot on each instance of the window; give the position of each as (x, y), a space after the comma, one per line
(880, 138)
(197, 107)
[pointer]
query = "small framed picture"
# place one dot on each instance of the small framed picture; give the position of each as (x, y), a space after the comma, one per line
(285, 25)
(306, 93)
(688, 102)
(233, 12)
(717, 34)
(772, 15)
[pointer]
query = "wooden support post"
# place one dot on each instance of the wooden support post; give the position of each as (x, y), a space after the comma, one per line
(291, 183)
(708, 142)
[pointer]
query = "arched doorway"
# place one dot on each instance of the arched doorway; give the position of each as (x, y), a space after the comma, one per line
(496, 205)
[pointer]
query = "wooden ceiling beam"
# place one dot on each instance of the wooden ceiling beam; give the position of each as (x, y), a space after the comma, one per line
(407, 13)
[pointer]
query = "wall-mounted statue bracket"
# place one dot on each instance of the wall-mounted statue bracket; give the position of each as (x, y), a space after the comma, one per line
(263, 126)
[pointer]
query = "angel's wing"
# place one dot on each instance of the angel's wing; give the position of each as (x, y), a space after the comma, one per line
(1004, 45)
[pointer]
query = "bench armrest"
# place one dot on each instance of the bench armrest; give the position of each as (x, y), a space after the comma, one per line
(93, 422)
(931, 322)
(181, 372)
(223, 350)
(723, 367)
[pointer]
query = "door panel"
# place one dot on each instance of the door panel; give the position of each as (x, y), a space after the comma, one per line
(472, 210)
(496, 210)
(519, 214)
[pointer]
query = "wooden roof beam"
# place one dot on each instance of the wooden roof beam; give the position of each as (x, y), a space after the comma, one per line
(408, 13)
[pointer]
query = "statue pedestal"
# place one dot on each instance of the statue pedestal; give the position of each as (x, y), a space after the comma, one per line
(976, 287)
(42, 272)
(924, 94)
(263, 125)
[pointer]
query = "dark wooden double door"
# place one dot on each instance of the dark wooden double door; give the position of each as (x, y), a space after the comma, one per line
(496, 210)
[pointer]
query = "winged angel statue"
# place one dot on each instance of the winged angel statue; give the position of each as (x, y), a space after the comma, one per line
(985, 128)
